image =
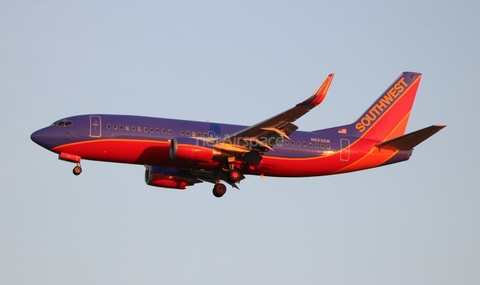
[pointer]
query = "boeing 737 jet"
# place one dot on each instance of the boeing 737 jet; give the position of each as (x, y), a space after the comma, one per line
(180, 153)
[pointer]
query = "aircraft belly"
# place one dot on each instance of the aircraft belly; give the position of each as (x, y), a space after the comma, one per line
(324, 165)
(124, 151)
(128, 151)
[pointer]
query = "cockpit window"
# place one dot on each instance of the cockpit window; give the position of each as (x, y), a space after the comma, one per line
(62, 123)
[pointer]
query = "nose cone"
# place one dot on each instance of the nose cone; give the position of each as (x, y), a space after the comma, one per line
(41, 137)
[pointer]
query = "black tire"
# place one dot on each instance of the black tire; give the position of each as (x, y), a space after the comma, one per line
(219, 190)
(77, 170)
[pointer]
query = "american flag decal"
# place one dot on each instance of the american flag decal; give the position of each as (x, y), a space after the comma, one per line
(342, 131)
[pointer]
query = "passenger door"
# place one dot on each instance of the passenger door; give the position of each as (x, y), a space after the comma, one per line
(95, 126)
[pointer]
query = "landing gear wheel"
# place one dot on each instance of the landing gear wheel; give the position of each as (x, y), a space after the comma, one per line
(77, 170)
(234, 175)
(219, 190)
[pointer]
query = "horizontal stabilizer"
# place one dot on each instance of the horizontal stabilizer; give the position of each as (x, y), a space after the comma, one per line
(409, 141)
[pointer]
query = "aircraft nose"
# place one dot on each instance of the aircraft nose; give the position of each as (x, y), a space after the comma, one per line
(39, 137)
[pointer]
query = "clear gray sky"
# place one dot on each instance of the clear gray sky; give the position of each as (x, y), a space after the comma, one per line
(417, 222)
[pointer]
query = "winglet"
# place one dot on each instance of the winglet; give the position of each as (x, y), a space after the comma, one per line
(318, 96)
(409, 141)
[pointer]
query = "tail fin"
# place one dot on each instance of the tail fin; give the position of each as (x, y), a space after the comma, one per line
(388, 116)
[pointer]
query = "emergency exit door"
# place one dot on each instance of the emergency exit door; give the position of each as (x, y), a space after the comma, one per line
(344, 149)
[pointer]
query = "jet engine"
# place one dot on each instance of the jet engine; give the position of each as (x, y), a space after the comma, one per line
(193, 150)
(168, 178)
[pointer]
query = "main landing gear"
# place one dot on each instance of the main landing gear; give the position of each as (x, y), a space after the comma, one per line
(233, 176)
(219, 190)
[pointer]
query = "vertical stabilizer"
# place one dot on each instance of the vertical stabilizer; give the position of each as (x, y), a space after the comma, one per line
(388, 116)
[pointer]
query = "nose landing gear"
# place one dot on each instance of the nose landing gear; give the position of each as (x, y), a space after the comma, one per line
(72, 158)
(77, 169)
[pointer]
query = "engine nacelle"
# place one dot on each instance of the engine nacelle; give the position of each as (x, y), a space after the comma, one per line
(193, 150)
(168, 178)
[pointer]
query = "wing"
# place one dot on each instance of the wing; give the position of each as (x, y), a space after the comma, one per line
(265, 135)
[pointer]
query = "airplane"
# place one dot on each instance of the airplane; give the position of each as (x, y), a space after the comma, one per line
(181, 153)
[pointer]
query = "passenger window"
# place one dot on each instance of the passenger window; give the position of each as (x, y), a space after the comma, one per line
(164, 131)
(121, 127)
(109, 126)
(182, 133)
(127, 128)
(145, 129)
(133, 128)
(139, 129)
(157, 130)
(169, 132)
(188, 133)
(114, 127)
